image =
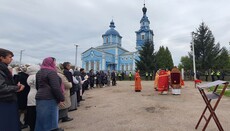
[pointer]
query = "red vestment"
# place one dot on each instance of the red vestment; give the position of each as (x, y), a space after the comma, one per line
(137, 82)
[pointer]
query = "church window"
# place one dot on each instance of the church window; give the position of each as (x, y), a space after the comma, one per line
(114, 39)
(107, 40)
(127, 67)
(142, 37)
(131, 67)
(122, 67)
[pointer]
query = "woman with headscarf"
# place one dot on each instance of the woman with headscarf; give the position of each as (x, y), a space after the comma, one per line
(9, 117)
(48, 96)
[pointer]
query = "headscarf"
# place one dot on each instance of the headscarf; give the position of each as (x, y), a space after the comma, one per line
(48, 63)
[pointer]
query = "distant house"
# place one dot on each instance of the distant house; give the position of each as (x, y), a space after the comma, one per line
(110, 55)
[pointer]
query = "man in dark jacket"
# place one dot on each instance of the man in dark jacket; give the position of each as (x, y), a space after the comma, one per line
(85, 84)
(9, 118)
(113, 77)
(91, 79)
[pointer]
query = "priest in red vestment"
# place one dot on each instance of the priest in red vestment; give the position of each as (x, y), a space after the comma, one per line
(138, 82)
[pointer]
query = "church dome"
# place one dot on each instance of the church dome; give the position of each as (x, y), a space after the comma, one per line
(111, 31)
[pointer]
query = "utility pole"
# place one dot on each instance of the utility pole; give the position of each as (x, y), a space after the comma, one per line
(20, 62)
(76, 56)
(193, 52)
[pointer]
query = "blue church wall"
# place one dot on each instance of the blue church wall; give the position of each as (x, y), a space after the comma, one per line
(120, 51)
(114, 39)
(140, 42)
(104, 40)
(111, 50)
(92, 55)
(109, 58)
(107, 40)
(126, 59)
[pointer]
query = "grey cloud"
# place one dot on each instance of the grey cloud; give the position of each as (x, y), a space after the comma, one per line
(51, 28)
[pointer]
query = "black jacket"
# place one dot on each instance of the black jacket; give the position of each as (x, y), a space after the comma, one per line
(7, 87)
(69, 77)
(48, 84)
(22, 96)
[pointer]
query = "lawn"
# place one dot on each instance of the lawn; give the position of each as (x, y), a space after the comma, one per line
(226, 93)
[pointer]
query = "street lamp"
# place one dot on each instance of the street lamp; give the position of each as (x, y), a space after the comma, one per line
(76, 56)
(20, 62)
(193, 52)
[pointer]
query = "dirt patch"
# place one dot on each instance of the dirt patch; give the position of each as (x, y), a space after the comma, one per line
(147, 94)
(156, 109)
(87, 107)
(89, 97)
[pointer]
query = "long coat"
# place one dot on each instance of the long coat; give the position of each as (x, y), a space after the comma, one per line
(67, 87)
(137, 82)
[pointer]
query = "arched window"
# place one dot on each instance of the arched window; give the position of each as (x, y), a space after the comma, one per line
(142, 37)
(122, 67)
(107, 40)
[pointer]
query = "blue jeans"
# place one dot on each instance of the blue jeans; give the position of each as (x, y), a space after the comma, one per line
(47, 115)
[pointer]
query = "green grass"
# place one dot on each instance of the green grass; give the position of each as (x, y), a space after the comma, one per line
(226, 93)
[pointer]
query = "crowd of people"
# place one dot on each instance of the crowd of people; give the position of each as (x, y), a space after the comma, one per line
(43, 94)
(207, 75)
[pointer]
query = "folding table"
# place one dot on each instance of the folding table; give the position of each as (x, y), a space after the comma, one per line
(207, 99)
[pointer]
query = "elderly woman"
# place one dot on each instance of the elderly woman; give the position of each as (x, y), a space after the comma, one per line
(31, 102)
(9, 118)
(66, 86)
(48, 96)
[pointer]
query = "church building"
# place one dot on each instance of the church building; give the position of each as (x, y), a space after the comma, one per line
(110, 55)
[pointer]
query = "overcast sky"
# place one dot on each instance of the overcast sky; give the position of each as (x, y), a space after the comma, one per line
(45, 28)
